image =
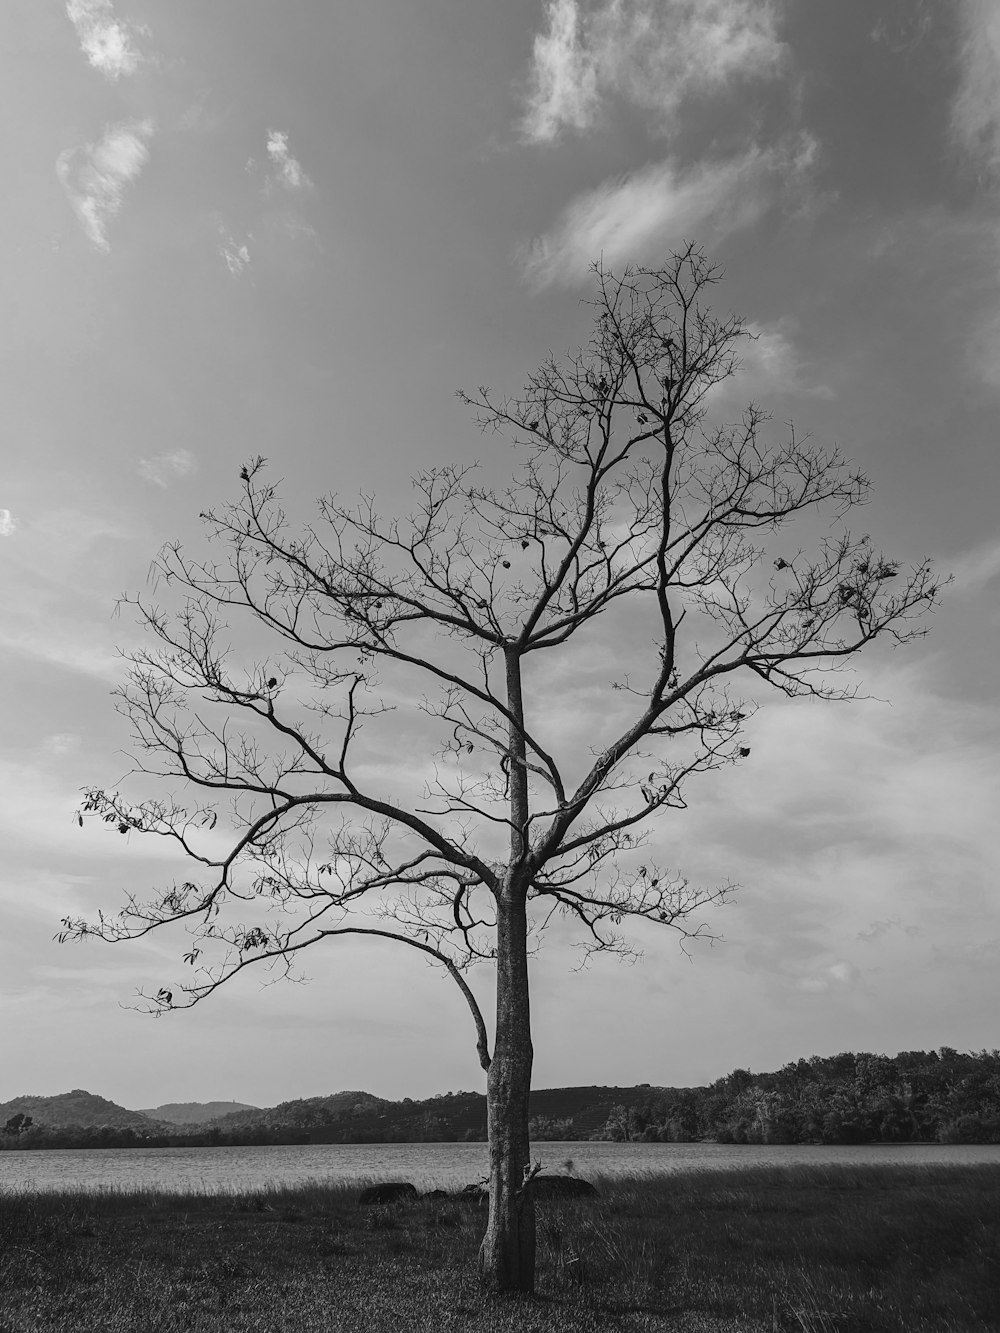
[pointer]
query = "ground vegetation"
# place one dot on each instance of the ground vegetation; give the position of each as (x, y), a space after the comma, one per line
(795, 1250)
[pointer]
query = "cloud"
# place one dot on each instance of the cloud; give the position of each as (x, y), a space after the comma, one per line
(770, 362)
(879, 928)
(840, 973)
(983, 344)
(864, 842)
(61, 742)
(903, 31)
(95, 176)
(164, 468)
(641, 215)
(279, 174)
(281, 169)
(975, 112)
(653, 53)
(55, 607)
(8, 523)
(50, 636)
(38, 812)
(564, 88)
(287, 170)
(236, 254)
(104, 41)
(975, 568)
(296, 229)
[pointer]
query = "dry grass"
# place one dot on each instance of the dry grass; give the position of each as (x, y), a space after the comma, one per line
(806, 1249)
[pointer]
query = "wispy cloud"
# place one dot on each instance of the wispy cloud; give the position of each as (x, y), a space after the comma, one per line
(653, 53)
(974, 569)
(877, 930)
(839, 973)
(296, 229)
(54, 607)
(903, 31)
(976, 107)
(771, 362)
(104, 40)
(235, 253)
(286, 170)
(280, 169)
(892, 827)
(164, 468)
(983, 342)
(564, 88)
(76, 648)
(61, 742)
(8, 523)
(96, 175)
(282, 181)
(636, 217)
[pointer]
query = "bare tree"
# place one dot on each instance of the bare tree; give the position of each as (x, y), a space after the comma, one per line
(626, 507)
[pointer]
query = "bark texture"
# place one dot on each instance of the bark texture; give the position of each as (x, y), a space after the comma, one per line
(507, 1256)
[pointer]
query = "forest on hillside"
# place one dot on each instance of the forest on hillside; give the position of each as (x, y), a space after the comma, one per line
(941, 1096)
(915, 1097)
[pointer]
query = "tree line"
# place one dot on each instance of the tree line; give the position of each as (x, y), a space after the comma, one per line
(941, 1096)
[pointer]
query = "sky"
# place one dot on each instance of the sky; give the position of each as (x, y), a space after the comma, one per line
(296, 229)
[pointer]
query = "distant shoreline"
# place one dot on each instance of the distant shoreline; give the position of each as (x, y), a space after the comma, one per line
(447, 1166)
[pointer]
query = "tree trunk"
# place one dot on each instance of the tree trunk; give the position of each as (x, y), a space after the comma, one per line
(507, 1256)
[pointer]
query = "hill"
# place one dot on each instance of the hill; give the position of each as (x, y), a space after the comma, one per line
(304, 1113)
(361, 1117)
(942, 1096)
(75, 1108)
(340, 1117)
(194, 1113)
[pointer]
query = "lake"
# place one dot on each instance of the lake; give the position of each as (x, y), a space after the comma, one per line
(427, 1165)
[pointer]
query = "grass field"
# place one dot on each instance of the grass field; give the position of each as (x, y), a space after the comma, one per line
(811, 1249)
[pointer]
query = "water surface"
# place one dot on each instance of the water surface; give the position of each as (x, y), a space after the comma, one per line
(427, 1165)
